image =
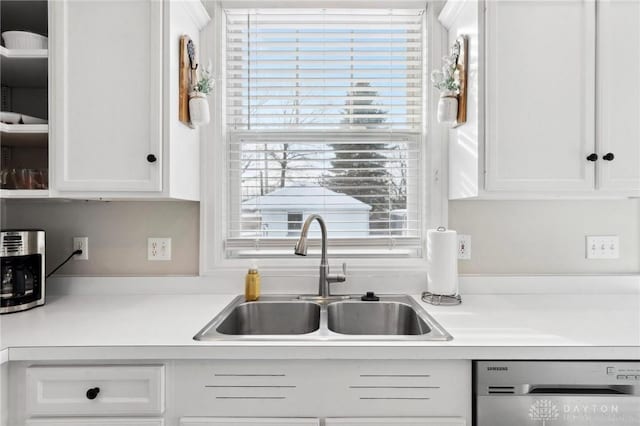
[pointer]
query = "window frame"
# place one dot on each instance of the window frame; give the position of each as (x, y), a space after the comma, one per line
(214, 174)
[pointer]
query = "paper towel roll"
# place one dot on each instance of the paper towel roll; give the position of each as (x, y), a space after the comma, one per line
(442, 261)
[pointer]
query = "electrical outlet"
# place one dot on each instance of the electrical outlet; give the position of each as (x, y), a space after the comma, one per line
(464, 247)
(602, 247)
(81, 243)
(158, 248)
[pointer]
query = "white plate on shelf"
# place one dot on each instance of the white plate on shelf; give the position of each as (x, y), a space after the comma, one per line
(10, 117)
(27, 119)
(24, 40)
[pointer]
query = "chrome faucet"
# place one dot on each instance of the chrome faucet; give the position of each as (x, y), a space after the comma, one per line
(324, 290)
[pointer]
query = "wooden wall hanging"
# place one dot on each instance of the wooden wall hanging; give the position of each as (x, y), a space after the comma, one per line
(187, 75)
(462, 64)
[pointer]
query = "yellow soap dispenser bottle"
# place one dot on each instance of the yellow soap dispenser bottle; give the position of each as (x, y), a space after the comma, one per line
(252, 284)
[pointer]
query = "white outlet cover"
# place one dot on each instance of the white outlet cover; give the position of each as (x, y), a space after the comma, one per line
(81, 243)
(158, 249)
(464, 247)
(602, 247)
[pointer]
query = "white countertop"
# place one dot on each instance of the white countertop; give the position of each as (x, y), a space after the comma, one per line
(485, 326)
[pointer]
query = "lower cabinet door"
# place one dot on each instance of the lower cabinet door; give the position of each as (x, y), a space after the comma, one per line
(397, 421)
(95, 422)
(247, 421)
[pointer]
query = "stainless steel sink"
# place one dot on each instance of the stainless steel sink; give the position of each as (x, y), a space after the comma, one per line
(271, 318)
(289, 318)
(388, 318)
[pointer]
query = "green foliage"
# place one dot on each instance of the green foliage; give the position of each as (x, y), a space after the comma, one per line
(205, 83)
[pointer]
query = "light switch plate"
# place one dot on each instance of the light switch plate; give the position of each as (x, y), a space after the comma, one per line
(158, 248)
(602, 247)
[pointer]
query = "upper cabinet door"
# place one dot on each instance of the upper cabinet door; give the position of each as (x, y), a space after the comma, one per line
(618, 97)
(107, 88)
(540, 84)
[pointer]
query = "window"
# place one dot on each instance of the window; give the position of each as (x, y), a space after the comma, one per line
(325, 114)
(294, 221)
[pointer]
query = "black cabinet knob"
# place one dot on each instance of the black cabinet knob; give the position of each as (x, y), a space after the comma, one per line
(593, 157)
(93, 393)
(608, 157)
(151, 158)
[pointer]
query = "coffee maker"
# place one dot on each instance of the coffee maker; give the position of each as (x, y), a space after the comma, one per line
(22, 270)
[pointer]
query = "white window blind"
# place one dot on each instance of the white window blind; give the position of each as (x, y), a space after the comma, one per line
(324, 69)
(324, 115)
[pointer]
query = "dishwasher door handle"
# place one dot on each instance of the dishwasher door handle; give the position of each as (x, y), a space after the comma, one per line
(579, 389)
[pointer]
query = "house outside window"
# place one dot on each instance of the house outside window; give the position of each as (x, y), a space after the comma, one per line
(324, 113)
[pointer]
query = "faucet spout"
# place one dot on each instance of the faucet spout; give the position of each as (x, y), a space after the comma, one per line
(301, 250)
(301, 245)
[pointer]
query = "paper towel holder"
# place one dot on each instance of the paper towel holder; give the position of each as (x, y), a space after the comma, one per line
(441, 299)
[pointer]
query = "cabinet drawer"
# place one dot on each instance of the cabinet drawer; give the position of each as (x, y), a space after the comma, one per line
(95, 422)
(117, 390)
(247, 421)
(398, 421)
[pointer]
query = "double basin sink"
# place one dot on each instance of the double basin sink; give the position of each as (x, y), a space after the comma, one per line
(288, 317)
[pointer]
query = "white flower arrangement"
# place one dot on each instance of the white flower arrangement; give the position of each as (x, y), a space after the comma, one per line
(206, 81)
(448, 79)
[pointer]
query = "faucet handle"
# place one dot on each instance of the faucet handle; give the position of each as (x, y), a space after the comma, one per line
(338, 278)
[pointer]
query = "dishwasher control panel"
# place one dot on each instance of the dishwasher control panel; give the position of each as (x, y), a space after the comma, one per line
(624, 371)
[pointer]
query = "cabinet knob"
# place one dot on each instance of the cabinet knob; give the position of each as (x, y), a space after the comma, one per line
(151, 158)
(93, 393)
(608, 157)
(593, 157)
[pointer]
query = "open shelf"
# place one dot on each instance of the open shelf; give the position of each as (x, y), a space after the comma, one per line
(24, 77)
(24, 68)
(24, 135)
(24, 128)
(24, 53)
(24, 193)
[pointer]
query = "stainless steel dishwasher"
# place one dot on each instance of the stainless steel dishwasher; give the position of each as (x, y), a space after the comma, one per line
(556, 393)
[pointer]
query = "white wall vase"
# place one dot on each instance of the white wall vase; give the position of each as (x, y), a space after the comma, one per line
(448, 108)
(198, 109)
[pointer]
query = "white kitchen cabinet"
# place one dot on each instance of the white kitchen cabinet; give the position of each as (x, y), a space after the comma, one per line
(398, 421)
(269, 392)
(618, 95)
(540, 83)
(247, 421)
(322, 389)
(107, 70)
(537, 127)
(70, 421)
(115, 131)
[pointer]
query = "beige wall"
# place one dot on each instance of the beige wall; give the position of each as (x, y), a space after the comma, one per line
(508, 237)
(545, 237)
(117, 232)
